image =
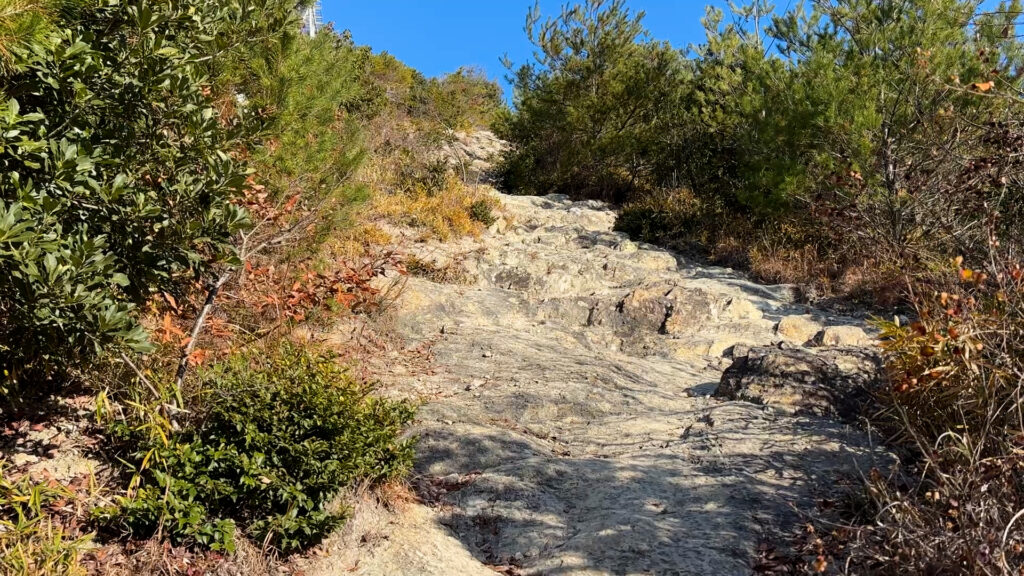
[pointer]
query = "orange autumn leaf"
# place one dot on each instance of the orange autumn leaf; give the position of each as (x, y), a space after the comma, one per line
(168, 330)
(171, 301)
(291, 203)
(198, 356)
(218, 327)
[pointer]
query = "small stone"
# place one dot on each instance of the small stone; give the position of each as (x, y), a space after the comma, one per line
(488, 354)
(626, 247)
(42, 435)
(19, 460)
(499, 226)
(844, 336)
(655, 506)
(798, 329)
(476, 383)
(738, 350)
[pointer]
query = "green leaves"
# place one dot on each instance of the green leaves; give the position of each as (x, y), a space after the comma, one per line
(282, 433)
(595, 107)
(115, 174)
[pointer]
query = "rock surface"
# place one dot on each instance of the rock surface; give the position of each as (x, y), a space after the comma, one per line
(830, 382)
(798, 329)
(571, 386)
(473, 153)
(845, 336)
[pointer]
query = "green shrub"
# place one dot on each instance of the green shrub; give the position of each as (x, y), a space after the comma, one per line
(21, 22)
(276, 438)
(117, 182)
(312, 144)
(482, 211)
(315, 90)
(593, 108)
(663, 216)
(462, 100)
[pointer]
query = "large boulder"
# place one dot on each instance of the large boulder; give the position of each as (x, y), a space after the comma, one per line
(691, 310)
(796, 381)
(646, 308)
(676, 310)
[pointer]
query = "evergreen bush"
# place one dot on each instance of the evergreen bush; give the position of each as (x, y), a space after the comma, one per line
(275, 437)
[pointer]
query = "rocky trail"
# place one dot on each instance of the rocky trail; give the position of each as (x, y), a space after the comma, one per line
(575, 418)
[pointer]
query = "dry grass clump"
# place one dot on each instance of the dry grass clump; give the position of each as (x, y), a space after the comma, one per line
(453, 272)
(955, 408)
(774, 250)
(363, 238)
(443, 214)
(411, 183)
(156, 557)
(412, 186)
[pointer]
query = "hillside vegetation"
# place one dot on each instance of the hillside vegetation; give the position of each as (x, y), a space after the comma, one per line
(189, 187)
(862, 149)
(181, 185)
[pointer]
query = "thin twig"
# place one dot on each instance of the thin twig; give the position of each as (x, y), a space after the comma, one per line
(197, 327)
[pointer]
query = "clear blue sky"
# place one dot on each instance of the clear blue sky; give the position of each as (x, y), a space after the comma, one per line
(438, 36)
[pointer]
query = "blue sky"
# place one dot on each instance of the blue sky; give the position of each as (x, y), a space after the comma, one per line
(438, 36)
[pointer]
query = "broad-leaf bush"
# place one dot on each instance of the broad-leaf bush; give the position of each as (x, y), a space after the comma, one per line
(276, 436)
(116, 181)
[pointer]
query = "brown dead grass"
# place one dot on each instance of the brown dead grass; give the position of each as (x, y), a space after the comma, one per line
(158, 558)
(447, 273)
(442, 212)
(364, 238)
